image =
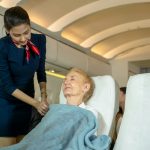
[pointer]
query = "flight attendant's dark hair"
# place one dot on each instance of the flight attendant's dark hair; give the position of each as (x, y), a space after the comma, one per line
(15, 16)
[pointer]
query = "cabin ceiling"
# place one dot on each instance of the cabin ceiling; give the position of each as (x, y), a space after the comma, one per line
(105, 27)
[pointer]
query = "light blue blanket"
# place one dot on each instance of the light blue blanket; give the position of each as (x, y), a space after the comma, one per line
(64, 127)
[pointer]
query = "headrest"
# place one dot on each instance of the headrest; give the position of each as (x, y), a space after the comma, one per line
(103, 100)
(135, 126)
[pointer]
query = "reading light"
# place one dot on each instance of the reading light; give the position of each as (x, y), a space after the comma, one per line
(55, 74)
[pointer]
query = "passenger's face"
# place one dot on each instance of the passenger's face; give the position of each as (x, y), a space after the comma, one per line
(20, 34)
(74, 85)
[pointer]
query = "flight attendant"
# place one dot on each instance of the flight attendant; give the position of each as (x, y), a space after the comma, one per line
(21, 55)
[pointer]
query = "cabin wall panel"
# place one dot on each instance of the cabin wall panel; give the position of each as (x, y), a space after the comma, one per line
(133, 69)
(53, 89)
(120, 71)
(70, 57)
(96, 67)
(2, 30)
(51, 49)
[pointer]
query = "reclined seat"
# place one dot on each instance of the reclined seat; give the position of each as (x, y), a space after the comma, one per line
(104, 100)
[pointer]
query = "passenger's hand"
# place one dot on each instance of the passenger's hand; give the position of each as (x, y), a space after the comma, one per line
(42, 107)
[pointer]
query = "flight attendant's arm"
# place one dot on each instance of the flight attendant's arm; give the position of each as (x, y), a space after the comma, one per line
(43, 91)
(41, 107)
(41, 75)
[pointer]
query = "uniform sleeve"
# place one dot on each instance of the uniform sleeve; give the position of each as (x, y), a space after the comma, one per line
(41, 75)
(5, 75)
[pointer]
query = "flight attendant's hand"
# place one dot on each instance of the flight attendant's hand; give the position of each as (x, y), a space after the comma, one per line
(42, 107)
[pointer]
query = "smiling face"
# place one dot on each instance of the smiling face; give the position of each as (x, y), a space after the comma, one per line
(20, 34)
(74, 88)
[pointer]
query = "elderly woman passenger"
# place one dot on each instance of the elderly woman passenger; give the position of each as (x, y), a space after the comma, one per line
(78, 87)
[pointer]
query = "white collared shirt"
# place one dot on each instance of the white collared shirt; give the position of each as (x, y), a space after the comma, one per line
(87, 107)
